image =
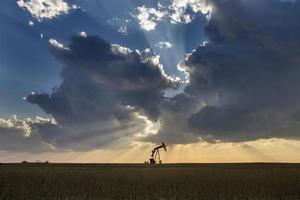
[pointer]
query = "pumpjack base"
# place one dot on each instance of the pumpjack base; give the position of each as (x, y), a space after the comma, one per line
(152, 161)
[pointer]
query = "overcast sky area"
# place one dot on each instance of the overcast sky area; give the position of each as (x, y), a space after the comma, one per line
(105, 81)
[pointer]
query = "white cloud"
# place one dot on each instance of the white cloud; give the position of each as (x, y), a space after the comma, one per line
(148, 17)
(117, 49)
(164, 45)
(83, 34)
(13, 123)
(41, 120)
(123, 30)
(74, 6)
(23, 126)
(30, 23)
(44, 9)
(57, 44)
(178, 11)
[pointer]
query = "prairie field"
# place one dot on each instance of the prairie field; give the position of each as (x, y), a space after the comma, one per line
(35, 181)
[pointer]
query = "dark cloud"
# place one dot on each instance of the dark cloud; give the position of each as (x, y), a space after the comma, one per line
(248, 73)
(244, 81)
(243, 84)
(173, 120)
(104, 88)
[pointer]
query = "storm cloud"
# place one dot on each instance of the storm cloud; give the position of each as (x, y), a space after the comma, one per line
(105, 88)
(243, 84)
(248, 74)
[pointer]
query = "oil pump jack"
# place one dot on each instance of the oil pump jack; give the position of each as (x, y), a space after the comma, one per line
(155, 156)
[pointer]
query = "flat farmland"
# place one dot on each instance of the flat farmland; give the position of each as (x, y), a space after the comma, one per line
(34, 181)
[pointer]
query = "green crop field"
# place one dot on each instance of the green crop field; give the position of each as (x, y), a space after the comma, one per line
(133, 181)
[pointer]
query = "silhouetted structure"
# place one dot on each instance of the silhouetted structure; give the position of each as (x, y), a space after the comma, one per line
(155, 156)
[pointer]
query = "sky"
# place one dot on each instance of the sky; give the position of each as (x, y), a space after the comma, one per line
(105, 81)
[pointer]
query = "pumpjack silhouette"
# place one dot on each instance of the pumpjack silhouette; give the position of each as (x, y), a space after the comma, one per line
(155, 155)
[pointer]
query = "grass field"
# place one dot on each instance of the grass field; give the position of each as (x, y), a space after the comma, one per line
(133, 181)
